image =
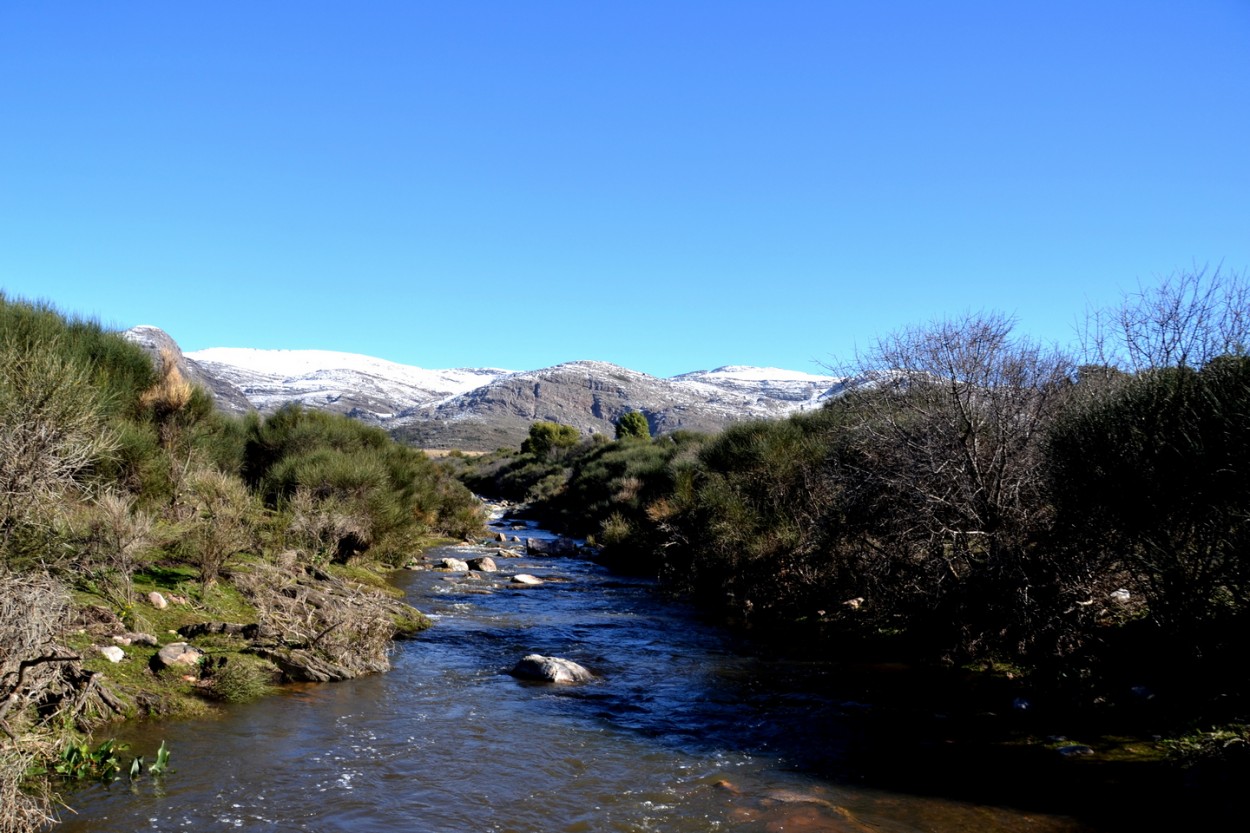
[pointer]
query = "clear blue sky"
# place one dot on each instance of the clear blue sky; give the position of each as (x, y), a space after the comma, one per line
(669, 186)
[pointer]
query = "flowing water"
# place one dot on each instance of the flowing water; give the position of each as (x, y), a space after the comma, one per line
(684, 729)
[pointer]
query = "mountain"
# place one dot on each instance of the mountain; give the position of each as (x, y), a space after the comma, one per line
(592, 395)
(486, 408)
(369, 389)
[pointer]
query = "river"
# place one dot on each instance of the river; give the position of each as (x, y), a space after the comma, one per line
(686, 728)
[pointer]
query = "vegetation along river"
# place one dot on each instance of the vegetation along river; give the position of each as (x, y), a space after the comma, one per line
(686, 728)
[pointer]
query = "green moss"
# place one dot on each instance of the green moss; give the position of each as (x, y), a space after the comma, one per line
(410, 622)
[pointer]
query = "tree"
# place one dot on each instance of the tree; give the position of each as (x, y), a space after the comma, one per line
(1189, 319)
(951, 420)
(544, 437)
(633, 425)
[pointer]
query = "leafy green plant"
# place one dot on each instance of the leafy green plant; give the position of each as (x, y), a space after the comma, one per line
(81, 762)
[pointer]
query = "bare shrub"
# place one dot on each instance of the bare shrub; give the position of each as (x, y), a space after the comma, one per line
(52, 429)
(325, 629)
(1190, 318)
(950, 441)
(326, 528)
(25, 807)
(171, 393)
(108, 538)
(223, 522)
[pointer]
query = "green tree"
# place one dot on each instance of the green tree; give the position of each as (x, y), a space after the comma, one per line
(546, 436)
(632, 424)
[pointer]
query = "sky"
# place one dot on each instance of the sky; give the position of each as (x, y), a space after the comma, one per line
(668, 186)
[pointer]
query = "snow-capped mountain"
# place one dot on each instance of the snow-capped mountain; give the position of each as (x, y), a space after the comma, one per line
(363, 386)
(490, 407)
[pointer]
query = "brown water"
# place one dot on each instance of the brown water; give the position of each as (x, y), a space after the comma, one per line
(686, 729)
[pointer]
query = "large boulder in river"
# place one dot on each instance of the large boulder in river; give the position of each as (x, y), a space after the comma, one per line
(484, 564)
(454, 564)
(551, 670)
(550, 546)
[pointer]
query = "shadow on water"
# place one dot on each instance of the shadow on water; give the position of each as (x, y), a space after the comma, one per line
(669, 677)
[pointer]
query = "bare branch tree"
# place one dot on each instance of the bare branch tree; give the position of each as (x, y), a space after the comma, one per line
(1190, 318)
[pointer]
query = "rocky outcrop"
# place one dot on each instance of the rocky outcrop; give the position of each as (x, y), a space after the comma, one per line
(159, 345)
(551, 670)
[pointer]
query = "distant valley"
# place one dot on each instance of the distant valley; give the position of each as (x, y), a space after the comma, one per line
(486, 408)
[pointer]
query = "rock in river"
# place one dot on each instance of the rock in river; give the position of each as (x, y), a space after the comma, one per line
(551, 669)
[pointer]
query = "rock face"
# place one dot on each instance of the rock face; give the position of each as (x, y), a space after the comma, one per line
(158, 344)
(551, 670)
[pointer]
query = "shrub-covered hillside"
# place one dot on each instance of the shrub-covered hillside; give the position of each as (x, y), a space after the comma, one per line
(119, 479)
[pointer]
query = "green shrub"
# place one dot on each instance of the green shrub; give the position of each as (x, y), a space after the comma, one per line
(633, 425)
(237, 679)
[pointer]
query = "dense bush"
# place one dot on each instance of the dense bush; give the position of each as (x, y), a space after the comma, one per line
(355, 486)
(1150, 485)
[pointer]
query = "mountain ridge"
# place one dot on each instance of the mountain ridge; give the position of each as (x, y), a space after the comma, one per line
(485, 408)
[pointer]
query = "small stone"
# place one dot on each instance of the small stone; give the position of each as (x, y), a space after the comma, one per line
(454, 564)
(1121, 596)
(1075, 750)
(526, 579)
(112, 653)
(485, 564)
(158, 601)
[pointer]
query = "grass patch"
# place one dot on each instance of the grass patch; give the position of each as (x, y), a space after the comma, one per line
(239, 678)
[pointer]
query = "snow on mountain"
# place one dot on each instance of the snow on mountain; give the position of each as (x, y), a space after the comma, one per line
(362, 386)
(488, 407)
(767, 383)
